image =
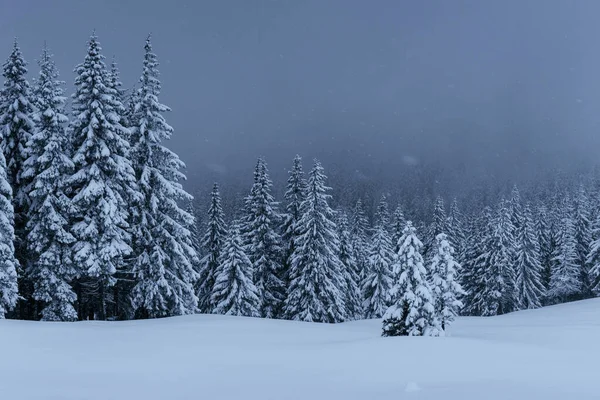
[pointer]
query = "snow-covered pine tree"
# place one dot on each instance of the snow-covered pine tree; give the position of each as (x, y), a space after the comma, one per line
(49, 241)
(121, 95)
(234, 293)
(101, 187)
(515, 208)
(438, 225)
(17, 127)
(456, 231)
(593, 259)
(9, 291)
(445, 286)
(528, 269)
(359, 231)
(164, 256)
(565, 280)
(294, 195)
(382, 216)
(316, 281)
(263, 242)
(16, 112)
(440, 221)
(212, 246)
(412, 312)
(398, 223)
(545, 236)
(472, 276)
(352, 291)
(583, 239)
(378, 281)
(499, 292)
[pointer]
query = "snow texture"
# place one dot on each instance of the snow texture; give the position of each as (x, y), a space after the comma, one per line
(548, 354)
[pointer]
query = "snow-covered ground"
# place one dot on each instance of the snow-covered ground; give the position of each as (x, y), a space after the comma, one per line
(552, 353)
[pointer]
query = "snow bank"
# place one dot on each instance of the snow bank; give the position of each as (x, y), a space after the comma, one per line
(545, 354)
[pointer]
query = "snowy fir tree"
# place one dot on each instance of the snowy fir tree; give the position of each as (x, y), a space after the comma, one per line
(101, 186)
(353, 294)
(499, 275)
(114, 82)
(8, 263)
(359, 231)
(17, 126)
(515, 207)
(378, 280)
(473, 272)
(565, 284)
(316, 281)
(49, 240)
(583, 239)
(263, 242)
(164, 256)
(212, 247)
(456, 231)
(547, 243)
(294, 196)
(398, 223)
(593, 258)
(234, 293)
(445, 286)
(382, 216)
(16, 112)
(528, 269)
(412, 312)
(440, 221)
(438, 225)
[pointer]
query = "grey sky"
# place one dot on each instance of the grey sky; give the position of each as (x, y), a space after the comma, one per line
(496, 87)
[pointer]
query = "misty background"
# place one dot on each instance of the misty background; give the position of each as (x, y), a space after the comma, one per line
(453, 94)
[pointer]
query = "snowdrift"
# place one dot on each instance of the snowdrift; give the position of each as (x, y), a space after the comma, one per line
(551, 353)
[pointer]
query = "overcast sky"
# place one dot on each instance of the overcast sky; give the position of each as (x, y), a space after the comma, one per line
(497, 86)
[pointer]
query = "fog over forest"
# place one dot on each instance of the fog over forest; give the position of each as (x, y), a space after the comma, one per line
(451, 96)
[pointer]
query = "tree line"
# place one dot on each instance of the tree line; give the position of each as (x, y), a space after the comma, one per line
(95, 224)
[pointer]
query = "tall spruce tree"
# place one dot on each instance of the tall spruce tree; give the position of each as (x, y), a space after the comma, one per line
(445, 287)
(114, 81)
(263, 242)
(316, 281)
(101, 186)
(412, 312)
(565, 284)
(515, 208)
(49, 241)
(294, 195)
(583, 239)
(398, 222)
(593, 259)
(438, 225)
(544, 232)
(212, 246)
(528, 269)
(17, 126)
(164, 256)
(499, 275)
(473, 277)
(9, 291)
(456, 231)
(16, 111)
(352, 290)
(359, 231)
(378, 281)
(234, 293)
